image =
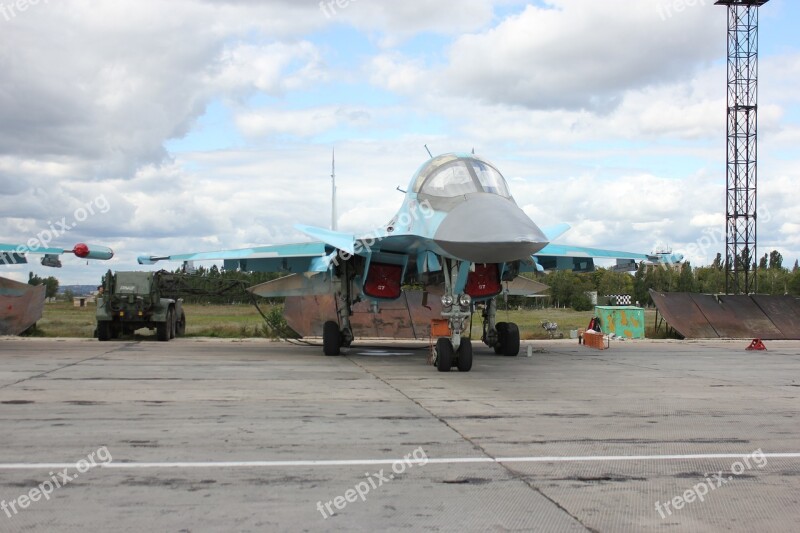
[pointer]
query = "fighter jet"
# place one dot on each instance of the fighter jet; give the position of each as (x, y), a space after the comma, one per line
(459, 233)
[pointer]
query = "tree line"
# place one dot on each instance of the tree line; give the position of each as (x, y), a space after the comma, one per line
(568, 289)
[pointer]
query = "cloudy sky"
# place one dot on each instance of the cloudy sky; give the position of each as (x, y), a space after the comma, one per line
(193, 125)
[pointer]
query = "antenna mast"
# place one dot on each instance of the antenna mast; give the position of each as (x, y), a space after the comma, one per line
(333, 190)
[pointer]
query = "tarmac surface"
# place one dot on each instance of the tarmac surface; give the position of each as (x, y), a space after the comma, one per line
(209, 435)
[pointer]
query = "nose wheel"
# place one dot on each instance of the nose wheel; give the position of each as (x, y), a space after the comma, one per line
(446, 356)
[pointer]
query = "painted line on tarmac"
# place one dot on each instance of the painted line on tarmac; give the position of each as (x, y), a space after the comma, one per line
(378, 462)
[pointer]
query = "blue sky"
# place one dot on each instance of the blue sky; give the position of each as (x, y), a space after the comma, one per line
(209, 124)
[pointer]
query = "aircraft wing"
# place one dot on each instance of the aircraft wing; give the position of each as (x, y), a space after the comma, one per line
(294, 258)
(16, 254)
(581, 259)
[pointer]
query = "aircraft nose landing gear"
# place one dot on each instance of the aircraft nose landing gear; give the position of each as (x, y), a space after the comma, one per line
(446, 355)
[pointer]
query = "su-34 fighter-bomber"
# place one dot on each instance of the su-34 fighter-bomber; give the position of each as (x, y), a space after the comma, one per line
(459, 233)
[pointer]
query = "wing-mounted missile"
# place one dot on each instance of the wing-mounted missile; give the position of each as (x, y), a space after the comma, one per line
(93, 251)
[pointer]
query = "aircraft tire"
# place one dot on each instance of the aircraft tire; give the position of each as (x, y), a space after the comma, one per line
(444, 354)
(331, 338)
(104, 330)
(511, 340)
(501, 328)
(464, 361)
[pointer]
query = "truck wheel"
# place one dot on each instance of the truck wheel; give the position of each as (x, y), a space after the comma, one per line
(162, 330)
(180, 329)
(171, 321)
(104, 330)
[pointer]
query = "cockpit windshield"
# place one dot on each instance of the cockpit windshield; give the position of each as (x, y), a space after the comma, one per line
(491, 180)
(450, 176)
(451, 179)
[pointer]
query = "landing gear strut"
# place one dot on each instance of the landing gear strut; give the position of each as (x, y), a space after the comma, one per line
(334, 337)
(456, 308)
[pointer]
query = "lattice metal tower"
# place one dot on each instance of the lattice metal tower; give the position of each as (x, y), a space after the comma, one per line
(741, 228)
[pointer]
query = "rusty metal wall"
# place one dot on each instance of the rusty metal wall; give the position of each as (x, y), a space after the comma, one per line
(784, 311)
(754, 322)
(396, 319)
(703, 316)
(681, 312)
(21, 306)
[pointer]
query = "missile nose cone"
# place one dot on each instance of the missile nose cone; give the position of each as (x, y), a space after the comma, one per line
(488, 228)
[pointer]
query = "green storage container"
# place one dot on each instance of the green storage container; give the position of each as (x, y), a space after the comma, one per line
(624, 321)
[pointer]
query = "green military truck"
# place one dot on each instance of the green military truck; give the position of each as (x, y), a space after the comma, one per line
(133, 300)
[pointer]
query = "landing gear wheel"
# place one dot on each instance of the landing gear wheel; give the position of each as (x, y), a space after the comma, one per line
(444, 354)
(501, 328)
(104, 330)
(464, 361)
(510, 340)
(331, 338)
(180, 327)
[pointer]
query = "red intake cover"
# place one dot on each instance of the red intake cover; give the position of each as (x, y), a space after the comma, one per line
(484, 282)
(384, 281)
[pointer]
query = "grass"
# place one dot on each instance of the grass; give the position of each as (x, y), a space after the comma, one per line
(61, 319)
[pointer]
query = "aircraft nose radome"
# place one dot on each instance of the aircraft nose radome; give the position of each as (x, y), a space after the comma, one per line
(489, 229)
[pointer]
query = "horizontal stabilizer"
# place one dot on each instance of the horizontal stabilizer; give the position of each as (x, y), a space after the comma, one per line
(294, 285)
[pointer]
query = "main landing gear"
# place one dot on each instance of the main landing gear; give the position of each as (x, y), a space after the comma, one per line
(502, 336)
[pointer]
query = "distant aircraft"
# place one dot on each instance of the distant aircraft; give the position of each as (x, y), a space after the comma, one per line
(458, 227)
(21, 305)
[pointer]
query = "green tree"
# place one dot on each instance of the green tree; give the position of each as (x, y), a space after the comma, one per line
(775, 260)
(762, 264)
(686, 282)
(793, 284)
(51, 285)
(718, 264)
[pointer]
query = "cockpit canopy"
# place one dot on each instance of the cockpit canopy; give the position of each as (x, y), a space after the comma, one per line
(451, 175)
